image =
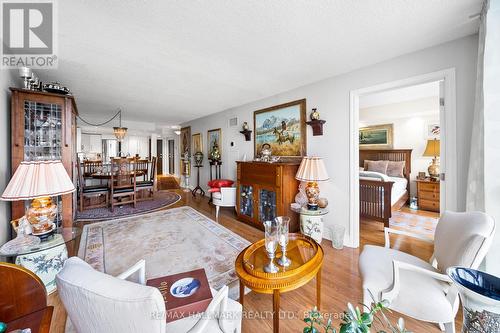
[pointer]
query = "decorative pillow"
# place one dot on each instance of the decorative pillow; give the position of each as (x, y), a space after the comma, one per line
(395, 169)
(218, 183)
(377, 166)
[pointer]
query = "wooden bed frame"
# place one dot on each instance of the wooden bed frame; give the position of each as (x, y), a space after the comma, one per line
(374, 195)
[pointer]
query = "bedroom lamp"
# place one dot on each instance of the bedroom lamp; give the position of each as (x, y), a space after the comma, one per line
(39, 181)
(312, 170)
(433, 150)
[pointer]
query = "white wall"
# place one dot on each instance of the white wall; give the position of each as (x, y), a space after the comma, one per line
(6, 80)
(331, 97)
(410, 120)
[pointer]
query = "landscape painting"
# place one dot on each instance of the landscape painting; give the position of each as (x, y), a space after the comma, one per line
(283, 128)
(376, 137)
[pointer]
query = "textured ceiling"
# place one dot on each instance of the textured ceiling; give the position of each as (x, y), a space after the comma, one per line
(173, 61)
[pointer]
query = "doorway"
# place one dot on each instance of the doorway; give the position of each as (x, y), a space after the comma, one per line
(171, 157)
(447, 117)
(159, 154)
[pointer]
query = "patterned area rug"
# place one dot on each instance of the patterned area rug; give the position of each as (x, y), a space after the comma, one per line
(171, 241)
(425, 225)
(161, 200)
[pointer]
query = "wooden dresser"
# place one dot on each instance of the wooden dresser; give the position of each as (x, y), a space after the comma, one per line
(428, 195)
(266, 190)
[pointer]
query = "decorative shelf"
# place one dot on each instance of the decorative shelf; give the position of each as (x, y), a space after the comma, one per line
(247, 134)
(317, 126)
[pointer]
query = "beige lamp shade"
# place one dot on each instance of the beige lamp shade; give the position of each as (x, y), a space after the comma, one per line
(38, 179)
(432, 149)
(312, 169)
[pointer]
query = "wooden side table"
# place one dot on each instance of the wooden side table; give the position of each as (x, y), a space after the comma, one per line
(428, 193)
(306, 257)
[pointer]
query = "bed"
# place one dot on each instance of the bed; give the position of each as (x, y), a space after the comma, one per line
(380, 194)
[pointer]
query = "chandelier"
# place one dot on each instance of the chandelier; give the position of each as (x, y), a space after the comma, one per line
(119, 132)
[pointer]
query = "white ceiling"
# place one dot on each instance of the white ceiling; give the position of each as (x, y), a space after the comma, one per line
(411, 93)
(172, 61)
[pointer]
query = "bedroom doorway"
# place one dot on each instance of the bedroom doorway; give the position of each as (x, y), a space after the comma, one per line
(398, 130)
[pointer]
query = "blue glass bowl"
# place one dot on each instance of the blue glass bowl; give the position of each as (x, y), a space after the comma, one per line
(479, 282)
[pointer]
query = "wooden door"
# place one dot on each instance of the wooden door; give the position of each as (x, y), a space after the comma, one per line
(171, 157)
(159, 154)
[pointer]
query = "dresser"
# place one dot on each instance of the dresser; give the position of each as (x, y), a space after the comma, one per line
(266, 190)
(428, 195)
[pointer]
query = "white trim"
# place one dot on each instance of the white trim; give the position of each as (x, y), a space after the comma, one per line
(448, 123)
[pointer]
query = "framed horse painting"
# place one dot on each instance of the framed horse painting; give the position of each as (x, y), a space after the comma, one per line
(283, 127)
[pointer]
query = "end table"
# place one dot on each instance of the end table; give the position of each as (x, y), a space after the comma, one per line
(312, 222)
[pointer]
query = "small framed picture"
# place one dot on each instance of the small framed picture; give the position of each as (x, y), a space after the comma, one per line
(433, 131)
(421, 175)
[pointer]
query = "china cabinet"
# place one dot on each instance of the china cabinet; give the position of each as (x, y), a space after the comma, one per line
(43, 127)
(265, 191)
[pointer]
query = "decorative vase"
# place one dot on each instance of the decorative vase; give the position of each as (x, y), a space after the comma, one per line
(245, 126)
(322, 202)
(215, 153)
(480, 296)
(314, 114)
(41, 214)
(301, 197)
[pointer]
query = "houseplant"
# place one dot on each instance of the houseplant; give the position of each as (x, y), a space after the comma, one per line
(353, 321)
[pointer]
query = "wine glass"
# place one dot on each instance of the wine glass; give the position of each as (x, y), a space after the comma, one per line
(271, 243)
(283, 229)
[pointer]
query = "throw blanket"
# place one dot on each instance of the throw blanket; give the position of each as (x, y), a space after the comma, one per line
(372, 175)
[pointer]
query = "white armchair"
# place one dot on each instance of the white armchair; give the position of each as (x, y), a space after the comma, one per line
(225, 198)
(421, 289)
(97, 302)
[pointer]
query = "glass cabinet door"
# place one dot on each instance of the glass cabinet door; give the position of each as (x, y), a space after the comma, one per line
(246, 200)
(42, 131)
(267, 205)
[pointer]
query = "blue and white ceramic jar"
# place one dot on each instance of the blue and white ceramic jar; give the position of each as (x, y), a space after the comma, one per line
(480, 296)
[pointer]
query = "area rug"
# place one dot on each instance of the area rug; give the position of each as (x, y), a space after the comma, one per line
(425, 225)
(161, 200)
(171, 241)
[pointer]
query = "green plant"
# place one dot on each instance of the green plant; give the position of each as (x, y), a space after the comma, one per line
(353, 321)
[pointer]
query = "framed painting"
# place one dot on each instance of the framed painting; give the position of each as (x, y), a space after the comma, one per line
(214, 136)
(376, 137)
(186, 140)
(283, 127)
(197, 143)
(433, 131)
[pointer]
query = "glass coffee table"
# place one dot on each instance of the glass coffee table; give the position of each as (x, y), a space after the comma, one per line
(46, 258)
(307, 260)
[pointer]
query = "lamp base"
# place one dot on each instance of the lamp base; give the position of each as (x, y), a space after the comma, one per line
(41, 214)
(312, 193)
(434, 168)
(312, 207)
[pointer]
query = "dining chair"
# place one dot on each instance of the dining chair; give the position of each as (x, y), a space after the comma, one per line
(23, 300)
(123, 182)
(142, 166)
(86, 191)
(149, 184)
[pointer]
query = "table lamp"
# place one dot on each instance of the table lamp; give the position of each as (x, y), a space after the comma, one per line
(312, 170)
(39, 181)
(433, 150)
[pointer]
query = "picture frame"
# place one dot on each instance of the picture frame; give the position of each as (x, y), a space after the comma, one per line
(376, 137)
(421, 175)
(214, 135)
(283, 127)
(433, 131)
(185, 140)
(197, 141)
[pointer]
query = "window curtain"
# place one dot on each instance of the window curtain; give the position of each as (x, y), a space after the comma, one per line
(475, 186)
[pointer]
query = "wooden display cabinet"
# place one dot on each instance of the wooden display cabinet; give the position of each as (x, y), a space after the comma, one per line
(43, 127)
(266, 190)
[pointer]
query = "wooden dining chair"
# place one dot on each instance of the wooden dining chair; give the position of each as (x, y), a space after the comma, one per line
(23, 300)
(142, 166)
(123, 182)
(90, 192)
(149, 184)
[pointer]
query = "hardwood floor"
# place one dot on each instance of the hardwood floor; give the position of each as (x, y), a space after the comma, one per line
(341, 279)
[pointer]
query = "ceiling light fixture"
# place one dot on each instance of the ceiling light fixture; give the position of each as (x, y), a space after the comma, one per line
(119, 132)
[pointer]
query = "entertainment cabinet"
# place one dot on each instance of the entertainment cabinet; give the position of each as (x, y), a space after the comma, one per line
(266, 190)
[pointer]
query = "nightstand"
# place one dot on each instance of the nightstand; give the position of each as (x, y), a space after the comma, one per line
(428, 194)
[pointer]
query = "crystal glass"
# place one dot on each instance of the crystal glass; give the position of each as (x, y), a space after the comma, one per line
(283, 231)
(338, 232)
(271, 240)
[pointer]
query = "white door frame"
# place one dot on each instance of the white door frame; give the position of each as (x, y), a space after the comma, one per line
(448, 142)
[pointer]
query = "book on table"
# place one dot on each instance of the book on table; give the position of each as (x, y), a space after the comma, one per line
(185, 294)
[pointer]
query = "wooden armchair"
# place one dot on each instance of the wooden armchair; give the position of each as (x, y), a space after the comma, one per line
(149, 184)
(123, 182)
(90, 192)
(23, 300)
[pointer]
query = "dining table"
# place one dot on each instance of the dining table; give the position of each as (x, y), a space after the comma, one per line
(107, 175)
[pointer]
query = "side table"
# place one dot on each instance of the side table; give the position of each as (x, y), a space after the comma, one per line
(306, 257)
(47, 258)
(312, 222)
